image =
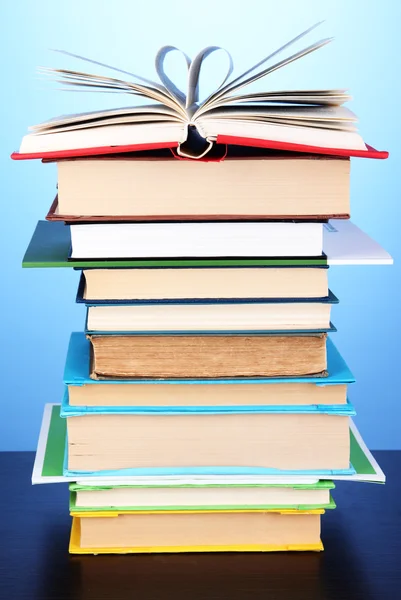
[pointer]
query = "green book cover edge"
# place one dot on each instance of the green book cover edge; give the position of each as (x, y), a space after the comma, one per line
(359, 460)
(55, 445)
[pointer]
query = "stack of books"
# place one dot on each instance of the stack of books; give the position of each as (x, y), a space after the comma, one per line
(205, 406)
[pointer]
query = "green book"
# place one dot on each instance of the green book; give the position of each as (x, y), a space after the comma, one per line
(223, 507)
(50, 246)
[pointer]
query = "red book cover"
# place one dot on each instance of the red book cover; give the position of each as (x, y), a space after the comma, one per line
(370, 152)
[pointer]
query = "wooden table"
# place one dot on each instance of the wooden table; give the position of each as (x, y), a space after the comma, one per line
(362, 559)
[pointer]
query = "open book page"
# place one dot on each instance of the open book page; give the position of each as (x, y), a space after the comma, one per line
(256, 131)
(100, 83)
(334, 114)
(240, 81)
(222, 95)
(139, 114)
(168, 84)
(186, 103)
(303, 97)
(263, 61)
(194, 73)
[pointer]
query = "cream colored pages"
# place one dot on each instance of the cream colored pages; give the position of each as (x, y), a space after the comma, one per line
(171, 394)
(211, 356)
(200, 496)
(210, 317)
(200, 529)
(260, 187)
(278, 441)
(131, 284)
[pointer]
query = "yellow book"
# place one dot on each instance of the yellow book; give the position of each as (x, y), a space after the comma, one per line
(110, 532)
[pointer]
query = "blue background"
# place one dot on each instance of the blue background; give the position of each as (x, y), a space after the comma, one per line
(37, 306)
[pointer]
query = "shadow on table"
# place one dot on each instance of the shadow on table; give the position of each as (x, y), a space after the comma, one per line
(332, 575)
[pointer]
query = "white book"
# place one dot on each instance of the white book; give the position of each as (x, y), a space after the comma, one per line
(341, 241)
(164, 240)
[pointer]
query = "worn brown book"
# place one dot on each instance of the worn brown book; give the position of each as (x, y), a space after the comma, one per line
(209, 356)
(248, 187)
(286, 441)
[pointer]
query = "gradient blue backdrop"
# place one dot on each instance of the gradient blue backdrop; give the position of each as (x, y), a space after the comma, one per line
(37, 306)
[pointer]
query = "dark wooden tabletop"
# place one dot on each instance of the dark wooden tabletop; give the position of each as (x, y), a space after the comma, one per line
(362, 557)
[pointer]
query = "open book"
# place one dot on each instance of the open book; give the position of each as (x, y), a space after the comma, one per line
(300, 120)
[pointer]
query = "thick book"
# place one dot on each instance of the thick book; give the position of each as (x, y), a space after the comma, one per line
(301, 120)
(208, 356)
(343, 244)
(246, 186)
(197, 532)
(295, 315)
(121, 286)
(266, 441)
(49, 465)
(193, 240)
(50, 458)
(86, 498)
(190, 394)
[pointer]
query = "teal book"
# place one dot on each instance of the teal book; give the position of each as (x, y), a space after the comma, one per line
(67, 410)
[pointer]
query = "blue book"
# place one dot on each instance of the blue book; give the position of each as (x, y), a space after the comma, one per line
(67, 410)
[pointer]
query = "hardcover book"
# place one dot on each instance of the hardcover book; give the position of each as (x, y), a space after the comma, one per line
(301, 120)
(154, 187)
(86, 498)
(193, 240)
(283, 315)
(266, 441)
(50, 455)
(343, 244)
(197, 532)
(211, 356)
(184, 394)
(126, 286)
